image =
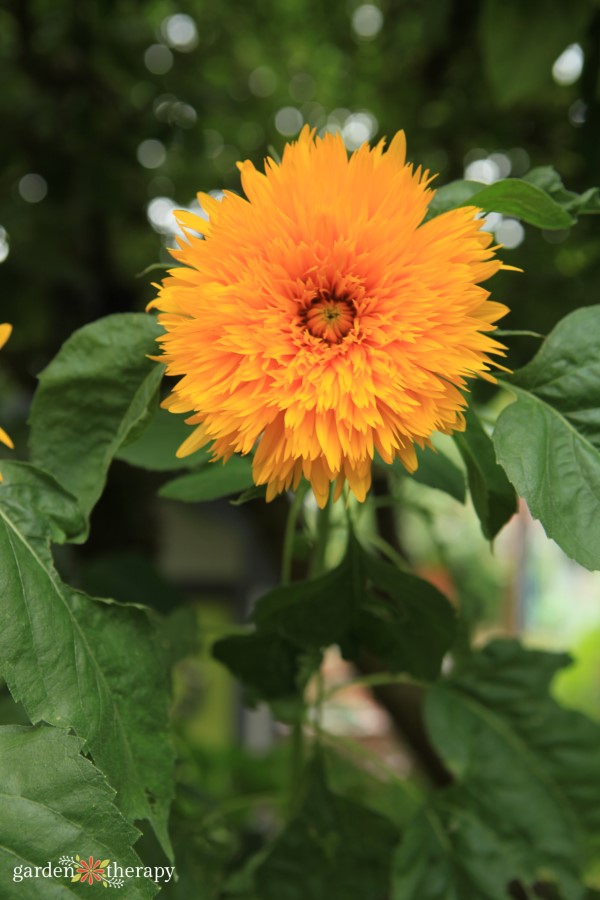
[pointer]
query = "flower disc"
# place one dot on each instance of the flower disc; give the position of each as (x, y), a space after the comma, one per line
(322, 319)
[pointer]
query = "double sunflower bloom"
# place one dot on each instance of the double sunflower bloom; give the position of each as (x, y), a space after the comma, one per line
(322, 319)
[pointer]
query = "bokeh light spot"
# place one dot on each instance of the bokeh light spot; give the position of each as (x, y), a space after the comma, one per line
(183, 115)
(367, 20)
(485, 170)
(578, 113)
(288, 121)
(33, 188)
(180, 32)
(503, 162)
(158, 59)
(160, 214)
(569, 65)
(358, 128)
(4, 245)
(151, 153)
(262, 81)
(510, 233)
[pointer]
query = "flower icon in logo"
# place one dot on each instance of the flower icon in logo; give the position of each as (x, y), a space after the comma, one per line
(90, 870)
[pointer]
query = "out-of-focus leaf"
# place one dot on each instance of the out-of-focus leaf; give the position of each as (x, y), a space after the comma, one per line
(550, 181)
(266, 663)
(510, 197)
(213, 481)
(55, 803)
(518, 66)
(365, 603)
(156, 447)
(548, 440)
(129, 578)
(449, 196)
(493, 495)
(333, 849)
(403, 620)
(437, 470)
(526, 798)
(525, 201)
(256, 492)
(97, 393)
(78, 663)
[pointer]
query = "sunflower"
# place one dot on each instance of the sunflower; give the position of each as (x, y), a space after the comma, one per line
(5, 332)
(321, 319)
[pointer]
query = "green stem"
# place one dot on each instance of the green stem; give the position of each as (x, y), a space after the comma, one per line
(296, 760)
(381, 544)
(376, 680)
(290, 533)
(323, 525)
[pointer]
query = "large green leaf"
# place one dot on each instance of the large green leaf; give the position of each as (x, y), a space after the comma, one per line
(39, 506)
(527, 792)
(521, 42)
(55, 803)
(362, 604)
(89, 665)
(550, 181)
(493, 496)
(548, 440)
(213, 481)
(333, 849)
(510, 197)
(515, 682)
(365, 603)
(98, 392)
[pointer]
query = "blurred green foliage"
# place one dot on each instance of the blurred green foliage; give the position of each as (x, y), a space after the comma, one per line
(85, 84)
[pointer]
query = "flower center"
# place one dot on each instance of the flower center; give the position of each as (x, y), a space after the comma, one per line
(329, 318)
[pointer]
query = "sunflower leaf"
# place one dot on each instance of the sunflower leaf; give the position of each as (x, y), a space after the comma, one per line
(550, 181)
(493, 495)
(40, 506)
(510, 197)
(211, 482)
(436, 470)
(333, 849)
(525, 800)
(55, 803)
(78, 663)
(513, 197)
(548, 440)
(364, 603)
(98, 392)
